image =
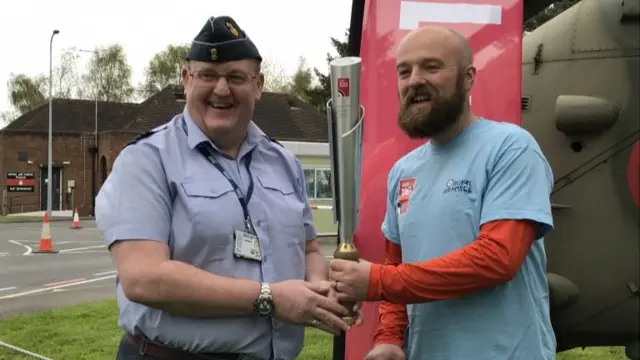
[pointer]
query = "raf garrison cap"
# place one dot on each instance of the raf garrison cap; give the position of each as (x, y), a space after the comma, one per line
(221, 39)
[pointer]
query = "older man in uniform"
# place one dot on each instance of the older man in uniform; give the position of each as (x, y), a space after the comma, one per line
(465, 220)
(209, 226)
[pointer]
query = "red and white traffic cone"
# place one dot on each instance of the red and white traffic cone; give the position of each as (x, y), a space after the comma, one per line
(76, 220)
(46, 243)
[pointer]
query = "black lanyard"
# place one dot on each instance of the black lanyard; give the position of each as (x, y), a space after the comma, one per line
(207, 150)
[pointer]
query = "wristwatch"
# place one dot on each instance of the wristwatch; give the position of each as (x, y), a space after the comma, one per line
(264, 305)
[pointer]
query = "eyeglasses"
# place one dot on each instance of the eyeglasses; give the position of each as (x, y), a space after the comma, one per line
(235, 78)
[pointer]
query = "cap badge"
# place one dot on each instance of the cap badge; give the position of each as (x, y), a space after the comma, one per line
(233, 30)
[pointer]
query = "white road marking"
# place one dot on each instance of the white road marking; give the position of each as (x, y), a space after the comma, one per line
(64, 242)
(413, 13)
(36, 291)
(84, 288)
(105, 273)
(85, 252)
(8, 288)
(4, 253)
(29, 249)
(64, 282)
(83, 248)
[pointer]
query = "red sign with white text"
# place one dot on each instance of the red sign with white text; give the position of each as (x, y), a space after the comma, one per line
(343, 86)
(20, 182)
(494, 30)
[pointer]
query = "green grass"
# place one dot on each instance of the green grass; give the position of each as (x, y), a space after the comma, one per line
(602, 353)
(90, 332)
(18, 218)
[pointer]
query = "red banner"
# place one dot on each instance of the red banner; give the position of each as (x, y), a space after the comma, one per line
(494, 29)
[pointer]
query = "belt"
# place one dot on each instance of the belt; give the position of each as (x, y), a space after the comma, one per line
(166, 353)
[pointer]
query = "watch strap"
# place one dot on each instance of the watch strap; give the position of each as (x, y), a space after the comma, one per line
(264, 305)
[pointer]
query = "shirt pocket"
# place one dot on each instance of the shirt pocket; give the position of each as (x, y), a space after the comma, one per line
(214, 213)
(283, 209)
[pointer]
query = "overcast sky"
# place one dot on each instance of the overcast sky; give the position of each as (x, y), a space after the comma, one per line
(283, 30)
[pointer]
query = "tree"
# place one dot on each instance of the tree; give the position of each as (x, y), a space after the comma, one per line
(547, 14)
(108, 75)
(319, 94)
(7, 117)
(66, 79)
(301, 82)
(26, 93)
(164, 69)
(275, 78)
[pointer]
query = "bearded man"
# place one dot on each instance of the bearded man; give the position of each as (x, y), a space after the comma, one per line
(466, 214)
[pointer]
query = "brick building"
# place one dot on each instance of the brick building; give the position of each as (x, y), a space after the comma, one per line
(82, 157)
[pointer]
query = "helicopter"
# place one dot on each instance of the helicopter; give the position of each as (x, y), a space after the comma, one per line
(581, 84)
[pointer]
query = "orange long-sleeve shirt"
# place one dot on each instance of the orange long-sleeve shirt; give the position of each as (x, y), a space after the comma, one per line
(393, 317)
(494, 258)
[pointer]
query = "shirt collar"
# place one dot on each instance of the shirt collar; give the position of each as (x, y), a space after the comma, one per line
(195, 135)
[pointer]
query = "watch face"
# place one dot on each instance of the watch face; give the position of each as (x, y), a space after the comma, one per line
(264, 306)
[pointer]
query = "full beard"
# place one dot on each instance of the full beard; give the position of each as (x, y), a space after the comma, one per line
(441, 115)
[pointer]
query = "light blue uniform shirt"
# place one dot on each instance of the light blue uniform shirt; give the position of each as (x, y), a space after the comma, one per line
(162, 188)
(490, 171)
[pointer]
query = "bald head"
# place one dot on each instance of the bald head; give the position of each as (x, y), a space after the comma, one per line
(448, 40)
(466, 54)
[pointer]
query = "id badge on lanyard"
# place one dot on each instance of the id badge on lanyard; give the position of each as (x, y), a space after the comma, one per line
(246, 242)
(247, 245)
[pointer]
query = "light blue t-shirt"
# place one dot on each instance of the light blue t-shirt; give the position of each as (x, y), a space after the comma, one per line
(491, 171)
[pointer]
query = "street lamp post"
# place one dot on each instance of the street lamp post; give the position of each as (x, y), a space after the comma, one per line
(50, 145)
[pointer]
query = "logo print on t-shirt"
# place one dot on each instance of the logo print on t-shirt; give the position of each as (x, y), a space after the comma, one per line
(404, 193)
(463, 185)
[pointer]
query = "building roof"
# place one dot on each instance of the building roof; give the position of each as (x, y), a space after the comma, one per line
(73, 116)
(281, 116)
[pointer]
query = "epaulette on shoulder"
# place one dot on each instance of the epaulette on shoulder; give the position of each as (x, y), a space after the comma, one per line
(145, 135)
(274, 141)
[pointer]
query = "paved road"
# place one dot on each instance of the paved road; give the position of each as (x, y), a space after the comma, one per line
(81, 271)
